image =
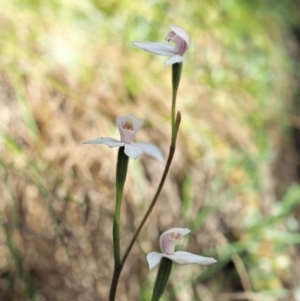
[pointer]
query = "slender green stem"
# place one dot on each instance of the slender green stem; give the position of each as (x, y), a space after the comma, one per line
(121, 173)
(175, 123)
(160, 186)
(158, 191)
(118, 269)
(162, 278)
(114, 282)
(176, 75)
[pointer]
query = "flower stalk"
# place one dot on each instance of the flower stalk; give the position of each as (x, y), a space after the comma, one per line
(175, 123)
(176, 75)
(121, 173)
(118, 270)
(128, 126)
(162, 278)
(154, 200)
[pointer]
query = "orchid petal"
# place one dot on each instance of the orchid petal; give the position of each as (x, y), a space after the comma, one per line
(186, 258)
(174, 59)
(169, 239)
(111, 142)
(151, 150)
(182, 231)
(153, 259)
(182, 33)
(133, 150)
(156, 48)
(128, 126)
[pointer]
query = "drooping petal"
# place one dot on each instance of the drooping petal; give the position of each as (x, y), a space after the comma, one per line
(169, 239)
(174, 59)
(133, 150)
(151, 150)
(181, 33)
(128, 126)
(186, 258)
(111, 142)
(156, 48)
(153, 259)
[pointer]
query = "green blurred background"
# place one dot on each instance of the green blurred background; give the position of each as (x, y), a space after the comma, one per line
(68, 69)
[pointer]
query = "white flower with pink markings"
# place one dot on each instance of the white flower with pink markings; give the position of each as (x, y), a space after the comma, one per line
(128, 126)
(177, 35)
(168, 240)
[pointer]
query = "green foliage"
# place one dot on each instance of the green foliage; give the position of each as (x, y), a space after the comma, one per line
(68, 69)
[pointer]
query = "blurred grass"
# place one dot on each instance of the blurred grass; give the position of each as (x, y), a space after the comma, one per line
(68, 69)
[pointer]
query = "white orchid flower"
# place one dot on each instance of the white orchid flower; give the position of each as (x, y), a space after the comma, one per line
(177, 35)
(128, 126)
(168, 241)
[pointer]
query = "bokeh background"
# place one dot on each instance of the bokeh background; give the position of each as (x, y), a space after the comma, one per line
(68, 69)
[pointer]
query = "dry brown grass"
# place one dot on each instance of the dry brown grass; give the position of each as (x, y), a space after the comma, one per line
(66, 80)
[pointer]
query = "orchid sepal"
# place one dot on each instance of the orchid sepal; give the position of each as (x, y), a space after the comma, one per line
(180, 257)
(156, 48)
(151, 150)
(111, 142)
